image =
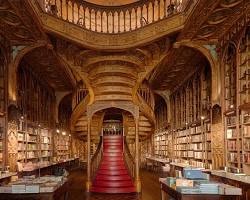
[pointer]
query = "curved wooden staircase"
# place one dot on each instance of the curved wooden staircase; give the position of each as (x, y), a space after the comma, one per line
(112, 175)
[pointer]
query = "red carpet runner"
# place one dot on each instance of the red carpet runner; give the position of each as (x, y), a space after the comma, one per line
(112, 176)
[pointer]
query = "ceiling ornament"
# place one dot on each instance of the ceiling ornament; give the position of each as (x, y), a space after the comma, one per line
(230, 3)
(219, 15)
(206, 31)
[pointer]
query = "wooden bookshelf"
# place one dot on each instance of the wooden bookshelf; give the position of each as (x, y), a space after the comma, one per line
(3, 95)
(192, 120)
(237, 101)
(62, 145)
(34, 143)
(161, 147)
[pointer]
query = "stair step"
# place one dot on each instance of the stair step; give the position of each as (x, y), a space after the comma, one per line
(112, 164)
(112, 139)
(112, 136)
(113, 184)
(110, 155)
(114, 159)
(112, 150)
(113, 172)
(113, 178)
(112, 143)
(113, 190)
(113, 153)
(108, 167)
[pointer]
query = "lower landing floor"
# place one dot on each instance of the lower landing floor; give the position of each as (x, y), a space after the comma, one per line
(150, 188)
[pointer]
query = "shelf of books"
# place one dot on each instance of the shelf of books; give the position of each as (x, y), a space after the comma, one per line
(2, 131)
(193, 145)
(233, 141)
(161, 141)
(46, 144)
(34, 143)
(62, 144)
(245, 124)
(2, 110)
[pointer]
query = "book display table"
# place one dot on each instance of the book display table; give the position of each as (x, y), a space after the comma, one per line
(171, 193)
(44, 188)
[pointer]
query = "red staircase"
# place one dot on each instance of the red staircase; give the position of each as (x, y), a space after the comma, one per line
(112, 176)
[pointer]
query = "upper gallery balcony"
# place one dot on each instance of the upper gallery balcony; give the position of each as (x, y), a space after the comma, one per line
(135, 23)
(113, 19)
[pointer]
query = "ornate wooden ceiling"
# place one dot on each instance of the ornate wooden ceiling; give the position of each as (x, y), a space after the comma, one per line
(208, 22)
(176, 67)
(211, 19)
(45, 64)
(17, 23)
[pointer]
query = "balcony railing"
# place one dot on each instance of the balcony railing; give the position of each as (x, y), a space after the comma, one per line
(113, 19)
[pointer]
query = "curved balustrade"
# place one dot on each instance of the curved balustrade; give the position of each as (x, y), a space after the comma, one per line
(113, 19)
(96, 159)
(147, 95)
(78, 96)
(130, 163)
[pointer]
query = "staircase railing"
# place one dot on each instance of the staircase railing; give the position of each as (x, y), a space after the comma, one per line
(96, 159)
(113, 19)
(130, 163)
(78, 96)
(147, 95)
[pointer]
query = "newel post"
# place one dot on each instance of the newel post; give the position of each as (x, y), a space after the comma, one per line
(137, 155)
(88, 183)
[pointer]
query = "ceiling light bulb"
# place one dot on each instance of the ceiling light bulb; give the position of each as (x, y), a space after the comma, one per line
(57, 130)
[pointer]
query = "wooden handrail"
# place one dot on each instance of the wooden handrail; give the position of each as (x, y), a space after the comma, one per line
(130, 163)
(113, 19)
(78, 96)
(96, 159)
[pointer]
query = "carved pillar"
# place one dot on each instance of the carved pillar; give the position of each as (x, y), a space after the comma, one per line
(101, 22)
(88, 183)
(137, 156)
(119, 28)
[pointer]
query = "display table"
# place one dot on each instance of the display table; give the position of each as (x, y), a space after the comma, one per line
(157, 162)
(168, 192)
(42, 188)
(180, 166)
(59, 193)
(48, 168)
(235, 180)
(5, 177)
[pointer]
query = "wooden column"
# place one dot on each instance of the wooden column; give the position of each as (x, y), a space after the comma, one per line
(137, 157)
(88, 183)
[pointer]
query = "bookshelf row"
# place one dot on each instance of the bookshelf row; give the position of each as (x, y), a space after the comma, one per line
(193, 144)
(237, 104)
(36, 144)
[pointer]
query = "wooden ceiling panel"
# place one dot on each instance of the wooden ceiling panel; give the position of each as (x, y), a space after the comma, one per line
(176, 67)
(46, 65)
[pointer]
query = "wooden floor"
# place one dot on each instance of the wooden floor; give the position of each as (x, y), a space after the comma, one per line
(150, 188)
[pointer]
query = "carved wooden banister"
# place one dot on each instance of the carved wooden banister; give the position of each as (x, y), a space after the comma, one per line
(113, 19)
(78, 96)
(96, 159)
(130, 162)
(147, 96)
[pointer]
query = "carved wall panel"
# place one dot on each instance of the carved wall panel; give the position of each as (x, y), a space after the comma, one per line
(217, 142)
(12, 142)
